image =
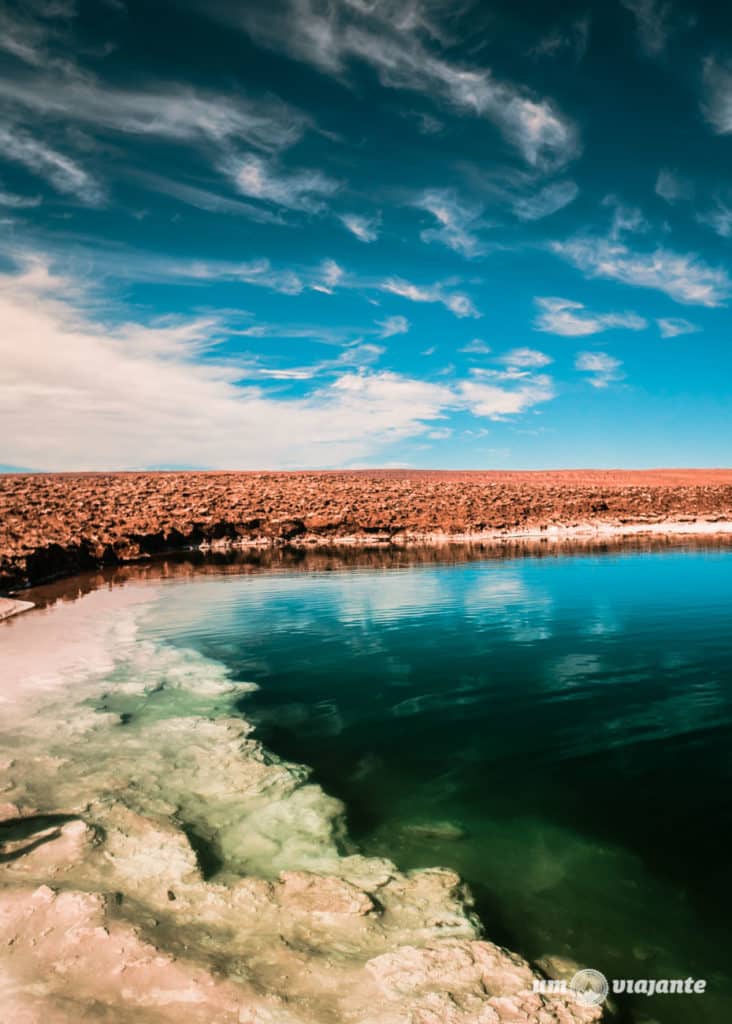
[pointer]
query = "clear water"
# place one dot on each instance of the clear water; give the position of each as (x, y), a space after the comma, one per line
(558, 730)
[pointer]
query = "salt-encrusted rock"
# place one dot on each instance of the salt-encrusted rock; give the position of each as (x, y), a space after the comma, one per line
(9, 811)
(66, 961)
(43, 848)
(10, 606)
(450, 964)
(313, 894)
(467, 982)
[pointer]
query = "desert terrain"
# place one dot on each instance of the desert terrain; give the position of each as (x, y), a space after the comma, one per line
(56, 525)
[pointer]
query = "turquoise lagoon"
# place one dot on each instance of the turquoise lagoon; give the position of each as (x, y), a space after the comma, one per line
(557, 729)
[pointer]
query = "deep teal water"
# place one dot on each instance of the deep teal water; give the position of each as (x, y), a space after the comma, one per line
(559, 730)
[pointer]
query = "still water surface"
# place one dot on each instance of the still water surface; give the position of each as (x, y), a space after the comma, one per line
(558, 730)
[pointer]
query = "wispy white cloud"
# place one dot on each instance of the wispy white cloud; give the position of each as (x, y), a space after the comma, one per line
(458, 221)
(324, 277)
(672, 187)
(457, 302)
(258, 272)
(167, 111)
(628, 220)
(427, 124)
(398, 41)
(718, 218)
(683, 277)
(571, 39)
(717, 102)
(27, 30)
(366, 229)
(22, 38)
(331, 275)
(359, 356)
(393, 325)
(495, 401)
(327, 334)
(351, 339)
(571, 319)
(522, 191)
(18, 202)
(205, 199)
(78, 394)
(525, 358)
(476, 347)
(654, 23)
(546, 201)
(672, 327)
(295, 190)
(61, 171)
(603, 369)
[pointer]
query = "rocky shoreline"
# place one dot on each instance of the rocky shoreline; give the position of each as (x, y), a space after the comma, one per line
(157, 864)
(58, 525)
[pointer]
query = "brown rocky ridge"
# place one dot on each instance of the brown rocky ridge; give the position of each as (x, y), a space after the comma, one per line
(60, 524)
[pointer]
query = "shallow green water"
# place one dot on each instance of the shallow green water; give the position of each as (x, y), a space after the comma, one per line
(558, 730)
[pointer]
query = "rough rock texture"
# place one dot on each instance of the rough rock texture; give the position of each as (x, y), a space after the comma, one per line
(57, 525)
(157, 865)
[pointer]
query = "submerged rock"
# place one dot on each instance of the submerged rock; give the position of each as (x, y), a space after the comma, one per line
(448, 831)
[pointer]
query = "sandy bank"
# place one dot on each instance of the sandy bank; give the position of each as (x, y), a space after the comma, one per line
(157, 864)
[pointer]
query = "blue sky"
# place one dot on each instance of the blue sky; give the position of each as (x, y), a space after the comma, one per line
(308, 234)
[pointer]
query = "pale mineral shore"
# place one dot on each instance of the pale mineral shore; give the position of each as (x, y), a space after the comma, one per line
(9, 606)
(589, 531)
(158, 865)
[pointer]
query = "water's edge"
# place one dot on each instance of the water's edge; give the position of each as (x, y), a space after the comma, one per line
(142, 814)
(56, 562)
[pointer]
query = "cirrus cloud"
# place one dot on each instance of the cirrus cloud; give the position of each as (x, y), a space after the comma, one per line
(603, 369)
(673, 327)
(393, 325)
(258, 178)
(525, 357)
(458, 222)
(684, 277)
(546, 201)
(671, 187)
(65, 174)
(457, 302)
(366, 229)
(572, 320)
(717, 104)
(398, 42)
(164, 110)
